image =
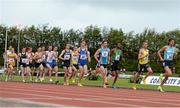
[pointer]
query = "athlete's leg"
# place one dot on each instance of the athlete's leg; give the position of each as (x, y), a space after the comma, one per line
(81, 69)
(167, 74)
(65, 74)
(8, 72)
(115, 79)
(103, 74)
(29, 73)
(136, 76)
(49, 71)
(74, 70)
(149, 72)
(41, 68)
(56, 72)
(22, 73)
(69, 73)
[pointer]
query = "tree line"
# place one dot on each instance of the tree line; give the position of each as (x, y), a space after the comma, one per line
(44, 35)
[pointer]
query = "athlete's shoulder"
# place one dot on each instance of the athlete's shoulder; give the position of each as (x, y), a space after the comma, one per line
(32, 53)
(36, 53)
(71, 51)
(15, 54)
(100, 49)
(20, 54)
(141, 49)
(63, 51)
(79, 49)
(165, 47)
(47, 52)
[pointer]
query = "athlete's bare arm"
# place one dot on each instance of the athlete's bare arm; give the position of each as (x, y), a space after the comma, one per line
(160, 51)
(96, 55)
(60, 56)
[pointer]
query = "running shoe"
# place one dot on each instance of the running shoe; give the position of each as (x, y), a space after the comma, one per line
(73, 80)
(144, 80)
(57, 82)
(80, 85)
(160, 78)
(36, 80)
(67, 82)
(104, 86)
(160, 89)
(134, 87)
(50, 80)
(6, 79)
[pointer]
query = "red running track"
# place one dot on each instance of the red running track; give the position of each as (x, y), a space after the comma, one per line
(87, 96)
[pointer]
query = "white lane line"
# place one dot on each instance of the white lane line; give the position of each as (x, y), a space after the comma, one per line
(30, 102)
(109, 94)
(124, 95)
(101, 97)
(65, 98)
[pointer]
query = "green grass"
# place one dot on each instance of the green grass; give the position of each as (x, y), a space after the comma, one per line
(122, 83)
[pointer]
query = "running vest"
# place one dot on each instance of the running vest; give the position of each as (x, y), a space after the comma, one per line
(75, 58)
(30, 57)
(104, 54)
(24, 59)
(39, 56)
(55, 55)
(144, 60)
(83, 56)
(67, 56)
(11, 59)
(116, 55)
(43, 57)
(169, 53)
(49, 56)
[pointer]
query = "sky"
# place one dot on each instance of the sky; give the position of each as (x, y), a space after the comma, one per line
(130, 15)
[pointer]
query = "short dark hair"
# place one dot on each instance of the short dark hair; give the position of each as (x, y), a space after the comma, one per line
(169, 40)
(104, 41)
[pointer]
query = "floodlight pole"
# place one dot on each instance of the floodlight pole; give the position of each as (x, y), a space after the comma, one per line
(5, 58)
(18, 47)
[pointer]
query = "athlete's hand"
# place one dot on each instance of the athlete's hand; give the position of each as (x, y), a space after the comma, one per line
(89, 61)
(161, 59)
(111, 63)
(123, 59)
(108, 62)
(99, 62)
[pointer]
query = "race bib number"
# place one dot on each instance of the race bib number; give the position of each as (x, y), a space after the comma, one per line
(83, 57)
(49, 59)
(104, 54)
(117, 57)
(11, 60)
(23, 60)
(75, 58)
(44, 57)
(146, 58)
(66, 57)
(40, 60)
(170, 56)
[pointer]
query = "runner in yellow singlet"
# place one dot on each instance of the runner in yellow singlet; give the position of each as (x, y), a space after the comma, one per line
(143, 65)
(11, 62)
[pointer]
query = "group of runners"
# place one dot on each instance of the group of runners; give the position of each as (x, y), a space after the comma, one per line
(76, 60)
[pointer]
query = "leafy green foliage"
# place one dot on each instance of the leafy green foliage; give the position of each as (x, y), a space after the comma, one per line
(44, 35)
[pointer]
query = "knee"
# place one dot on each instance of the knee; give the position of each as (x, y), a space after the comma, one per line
(169, 74)
(116, 74)
(82, 73)
(49, 69)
